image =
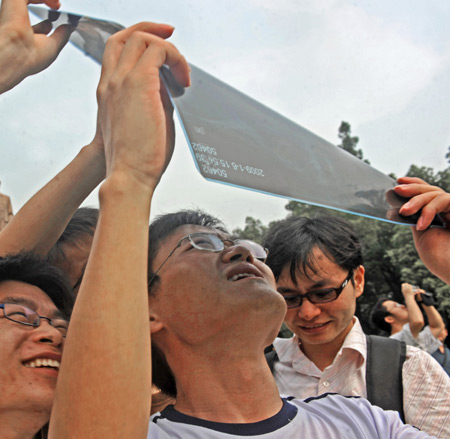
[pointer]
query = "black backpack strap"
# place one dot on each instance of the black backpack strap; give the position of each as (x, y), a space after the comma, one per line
(385, 358)
(271, 357)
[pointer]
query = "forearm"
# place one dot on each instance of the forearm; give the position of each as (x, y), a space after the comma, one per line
(116, 361)
(41, 221)
(415, 317)
(10, 71)
(435, 321)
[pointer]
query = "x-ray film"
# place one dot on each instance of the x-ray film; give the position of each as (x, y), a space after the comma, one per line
(237, 141)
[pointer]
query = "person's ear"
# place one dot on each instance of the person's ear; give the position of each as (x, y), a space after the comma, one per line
(389, 319)
(358, 279)
(155, 323)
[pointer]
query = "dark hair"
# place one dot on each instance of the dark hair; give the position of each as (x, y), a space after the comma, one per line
(378, 314)
(293, 240)
(33, 270)
(161, 228)
(164, 225)
(82, 223)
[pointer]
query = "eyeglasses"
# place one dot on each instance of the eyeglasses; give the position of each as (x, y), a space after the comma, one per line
(213, 243)
(25, 316)
(317, 296)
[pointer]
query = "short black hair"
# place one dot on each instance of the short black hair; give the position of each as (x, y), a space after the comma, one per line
(293, 240)
(164, 225)
(83, 222)
(378, 315)
(161, 228)
(33, 270)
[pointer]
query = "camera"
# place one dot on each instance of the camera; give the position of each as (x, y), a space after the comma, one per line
(425, 297)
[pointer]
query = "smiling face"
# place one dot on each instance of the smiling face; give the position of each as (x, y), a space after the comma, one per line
(28, 355)
(322, 325)
(203, 295)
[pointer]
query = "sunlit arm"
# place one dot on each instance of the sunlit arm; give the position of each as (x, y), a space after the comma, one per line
(110, 373)
(104, 385)
(415, 317)
(435, 321)
(40, 222)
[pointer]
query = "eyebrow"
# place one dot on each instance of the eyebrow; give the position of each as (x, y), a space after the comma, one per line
(321, 284)
(55, 314)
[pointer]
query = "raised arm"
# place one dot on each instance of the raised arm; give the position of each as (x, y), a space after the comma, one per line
(435, 320)
(415, 317)
(40, 222)
(104, 386)
(432, 244)
(26, 50)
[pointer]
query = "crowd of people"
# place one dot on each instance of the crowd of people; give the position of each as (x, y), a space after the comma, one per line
(170, 322)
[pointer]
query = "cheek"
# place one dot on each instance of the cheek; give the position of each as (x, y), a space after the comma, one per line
(291, 316)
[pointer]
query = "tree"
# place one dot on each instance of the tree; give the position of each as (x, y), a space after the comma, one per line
(254, 230)
(349, 142)
(390, 257)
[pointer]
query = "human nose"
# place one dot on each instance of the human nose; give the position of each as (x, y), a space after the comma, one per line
(307, 310)
(237, 252)
(46, 333)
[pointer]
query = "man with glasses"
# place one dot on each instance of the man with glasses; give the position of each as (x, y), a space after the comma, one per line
(206, 303)
(317, 263)
(35, 305)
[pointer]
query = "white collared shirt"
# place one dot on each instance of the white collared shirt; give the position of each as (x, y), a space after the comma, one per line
(426, 387)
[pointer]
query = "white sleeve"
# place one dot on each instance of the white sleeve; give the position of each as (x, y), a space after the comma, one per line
(426, 393)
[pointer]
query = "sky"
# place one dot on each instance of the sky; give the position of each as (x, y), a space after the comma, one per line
(382, 66)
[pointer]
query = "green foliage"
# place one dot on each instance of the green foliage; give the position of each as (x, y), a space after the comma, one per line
(390, 257)
(349, 143)
(440, 178)
(254, 229)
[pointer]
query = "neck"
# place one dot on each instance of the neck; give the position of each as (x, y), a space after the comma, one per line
(21, 424)
(323, 355)
(396, 327)
(230, 387)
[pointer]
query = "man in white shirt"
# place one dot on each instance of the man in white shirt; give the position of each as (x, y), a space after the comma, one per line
(207, 303)
(406, 322)
(318, 267)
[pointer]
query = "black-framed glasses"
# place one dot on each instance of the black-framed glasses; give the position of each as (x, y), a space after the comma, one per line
(213, 243)
(324, 295)
(26, 316)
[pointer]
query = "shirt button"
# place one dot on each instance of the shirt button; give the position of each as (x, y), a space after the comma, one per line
(326, 383)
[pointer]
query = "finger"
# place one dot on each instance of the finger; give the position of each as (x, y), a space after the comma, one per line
(53, 4)
(407, 180)
(159, 29)
(44, 27)
(161, 52)
(116, 43)
(416, 203)
(15, 12)
(413, 189)
(132, 50)
(48, 48)
(439, 205)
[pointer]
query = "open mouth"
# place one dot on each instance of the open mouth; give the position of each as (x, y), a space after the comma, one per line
(314, 328)
(43, 363)
(243, 271)
(240, 276)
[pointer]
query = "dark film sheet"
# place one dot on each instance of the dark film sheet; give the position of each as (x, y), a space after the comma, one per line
(236, 140)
